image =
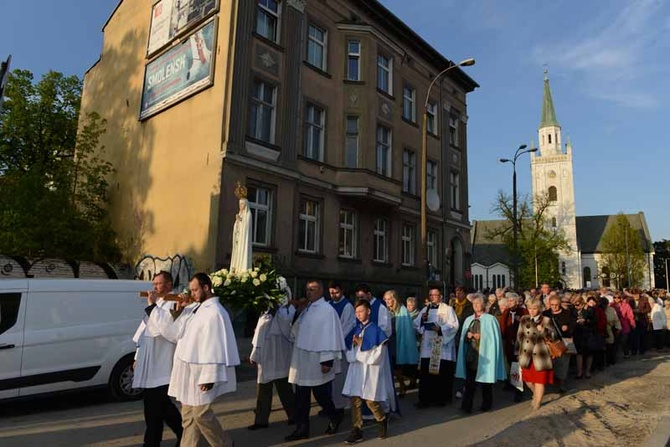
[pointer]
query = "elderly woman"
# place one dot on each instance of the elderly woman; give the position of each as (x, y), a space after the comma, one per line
(534, 355)
(492, 307)
(405, 353)
(641, 306)
(564, 323)
(480, 356)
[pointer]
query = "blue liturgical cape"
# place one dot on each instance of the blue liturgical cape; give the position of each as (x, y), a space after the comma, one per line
(372, 335)
(491, 365)
(407, 352)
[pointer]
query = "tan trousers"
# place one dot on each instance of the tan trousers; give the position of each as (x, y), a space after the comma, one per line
(357, 411)
(200, 422)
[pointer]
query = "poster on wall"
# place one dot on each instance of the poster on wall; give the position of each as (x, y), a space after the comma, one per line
(169, 18)
(179, 72)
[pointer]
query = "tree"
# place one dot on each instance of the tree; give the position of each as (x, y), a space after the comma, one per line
(539, 245)
(662, 253)
(53, 187)
(623, 255)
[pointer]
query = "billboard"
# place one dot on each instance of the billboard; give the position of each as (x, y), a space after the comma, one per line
(179, 72)
(170, 18)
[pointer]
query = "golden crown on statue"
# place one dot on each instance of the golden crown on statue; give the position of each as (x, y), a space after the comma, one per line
(240, 191)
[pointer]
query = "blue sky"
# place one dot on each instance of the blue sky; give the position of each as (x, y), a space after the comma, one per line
(607, 61)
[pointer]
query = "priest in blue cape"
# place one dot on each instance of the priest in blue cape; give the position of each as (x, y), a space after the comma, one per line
(369, 377)
(480, 356)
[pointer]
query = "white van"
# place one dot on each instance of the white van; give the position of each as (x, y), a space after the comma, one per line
(64, 334)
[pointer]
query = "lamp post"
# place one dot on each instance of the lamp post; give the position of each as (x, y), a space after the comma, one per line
(515, 222)
(424, 160)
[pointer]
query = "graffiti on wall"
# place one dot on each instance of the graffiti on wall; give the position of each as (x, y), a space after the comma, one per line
(20, 267)
(178, 265)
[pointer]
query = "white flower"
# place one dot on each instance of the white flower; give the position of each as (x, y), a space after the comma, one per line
(244, 279)
(263, 277)
(226, 283)
(217, 281)
(253, 274)
(233, 292)
(256, 269)
(224, 272)
(256, 282)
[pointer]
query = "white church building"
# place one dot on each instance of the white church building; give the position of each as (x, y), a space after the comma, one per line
(552, 175)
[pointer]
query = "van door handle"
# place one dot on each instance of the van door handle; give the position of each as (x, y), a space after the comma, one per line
(5, 346)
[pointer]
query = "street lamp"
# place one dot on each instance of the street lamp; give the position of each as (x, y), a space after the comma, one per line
(515, 223)
(424, 159)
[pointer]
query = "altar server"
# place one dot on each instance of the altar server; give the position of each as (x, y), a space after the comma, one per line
(204, 361)
(346, 313)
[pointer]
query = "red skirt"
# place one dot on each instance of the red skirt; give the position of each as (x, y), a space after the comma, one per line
(530, 375)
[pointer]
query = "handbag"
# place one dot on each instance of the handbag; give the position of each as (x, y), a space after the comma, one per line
(556, 347)
(515, 378)
(570, 344)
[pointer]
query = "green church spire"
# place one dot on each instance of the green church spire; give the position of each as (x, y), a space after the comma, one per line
(548, 113)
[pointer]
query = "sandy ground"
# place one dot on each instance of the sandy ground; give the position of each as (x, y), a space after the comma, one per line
(621, 406)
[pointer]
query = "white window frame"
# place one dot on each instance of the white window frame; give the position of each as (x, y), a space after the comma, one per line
(351, 137)
(431, 247)
(408, 245)
(381, 241)
(385, 72)
(310, 218)
(431, 117)
(258, 208)
(455, 186)
(384, 152)
(264, 11)
(409, 171)
(409, 103)
(453, 130)
(354, 56)
(314, 150)
(431, 175)
(260, 104)
(348, 234)
(323, 44)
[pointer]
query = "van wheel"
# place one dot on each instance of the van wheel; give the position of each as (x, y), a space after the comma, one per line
(121, 381)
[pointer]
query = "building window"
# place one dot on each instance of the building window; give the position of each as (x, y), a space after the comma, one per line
(605, 277)
(385, 74)
(347, 234)
(453, 131)
(553, 222)
(587, 277)
(498, 281)
(549, 136)
(260, 205)
(553, 194)
(455, 185)
(316, 47)
(267, 19)
(431, 248)
(351, 145)
(354, 60)
(431, 175)
(381, 249)
(308, 229)
(408, 171)
(315, 122)
(408, 245)
(262, 119)
(563, 270)
(431, 115)
(479, 282)
(409, 103)
(384, 150)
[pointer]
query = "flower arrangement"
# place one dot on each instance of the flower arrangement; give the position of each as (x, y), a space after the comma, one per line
(259, 288)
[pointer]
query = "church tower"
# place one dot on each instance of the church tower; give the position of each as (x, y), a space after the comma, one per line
(551, 171)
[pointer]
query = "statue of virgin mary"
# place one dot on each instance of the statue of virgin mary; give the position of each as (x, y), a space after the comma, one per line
(241, 257)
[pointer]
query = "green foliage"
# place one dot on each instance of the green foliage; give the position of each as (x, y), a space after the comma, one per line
(539, 245)
(622, 249)
(53, 187)
(662, 252)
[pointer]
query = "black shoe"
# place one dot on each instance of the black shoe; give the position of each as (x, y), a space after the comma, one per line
(257, 427)
(298, 433)
(355, 436)
(518, 397)
(334, 424)
(383, 428)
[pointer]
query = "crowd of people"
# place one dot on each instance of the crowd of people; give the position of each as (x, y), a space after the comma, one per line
(364, 353)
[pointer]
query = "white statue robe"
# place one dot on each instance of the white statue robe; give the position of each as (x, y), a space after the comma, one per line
(154, 355)
(445, 317)
(206, 351)
(318, 338)
(272, 345)
(369, 376)
(241, 257)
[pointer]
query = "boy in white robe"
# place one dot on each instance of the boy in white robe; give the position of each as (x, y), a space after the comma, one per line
(204, 361)
(369, 377)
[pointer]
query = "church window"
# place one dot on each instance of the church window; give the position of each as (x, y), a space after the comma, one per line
(563, 270)
(549, 136)
(605, 277)
(587, 276)
(553, 222)
(553, 194)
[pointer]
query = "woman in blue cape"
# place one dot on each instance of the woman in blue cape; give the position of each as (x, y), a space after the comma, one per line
(405, 355)
(480, 356)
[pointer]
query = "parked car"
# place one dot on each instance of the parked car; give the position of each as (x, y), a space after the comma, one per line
(66, 334)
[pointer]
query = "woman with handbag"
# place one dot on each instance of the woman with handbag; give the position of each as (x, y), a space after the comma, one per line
(597, 341)
(585, 326)
(564, 323)
(535, 330)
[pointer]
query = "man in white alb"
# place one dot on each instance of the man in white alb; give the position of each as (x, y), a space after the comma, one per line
(204, 361)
